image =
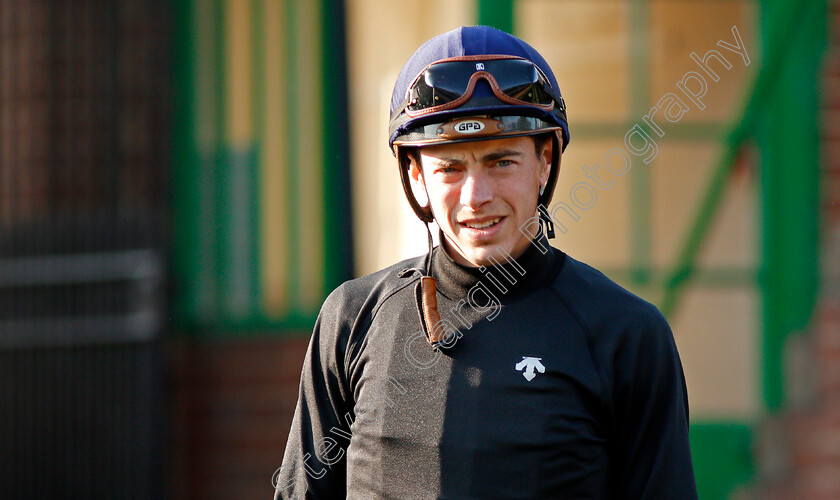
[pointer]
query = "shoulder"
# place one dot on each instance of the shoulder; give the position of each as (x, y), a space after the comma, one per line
(629, 338)
(603, 307)
(377, 285)
(348, 312)
(358, 298)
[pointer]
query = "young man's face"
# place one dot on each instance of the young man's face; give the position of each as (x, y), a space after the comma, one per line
(482, 192)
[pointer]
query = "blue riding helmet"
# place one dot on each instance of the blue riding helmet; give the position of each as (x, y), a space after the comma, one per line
(475, 83)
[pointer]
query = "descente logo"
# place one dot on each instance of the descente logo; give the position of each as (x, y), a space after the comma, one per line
(469, 126)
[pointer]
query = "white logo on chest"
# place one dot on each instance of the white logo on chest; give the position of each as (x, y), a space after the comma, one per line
(528, 364)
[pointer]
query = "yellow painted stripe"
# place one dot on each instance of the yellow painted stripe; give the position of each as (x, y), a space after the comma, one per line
(274, 220)
(239, 133)
(310, 167)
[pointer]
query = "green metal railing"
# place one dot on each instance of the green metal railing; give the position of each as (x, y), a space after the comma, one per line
(793, 45)
(497, 13)
(220, 164)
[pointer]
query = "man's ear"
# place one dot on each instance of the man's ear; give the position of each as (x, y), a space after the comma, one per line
(418, 184)
(545, 160)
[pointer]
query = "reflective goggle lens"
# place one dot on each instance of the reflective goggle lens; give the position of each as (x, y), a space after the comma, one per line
(447, 81)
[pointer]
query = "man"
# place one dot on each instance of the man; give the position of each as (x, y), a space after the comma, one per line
(495, 366)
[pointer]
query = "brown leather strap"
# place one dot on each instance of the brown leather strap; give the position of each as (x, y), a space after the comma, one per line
(428, 299)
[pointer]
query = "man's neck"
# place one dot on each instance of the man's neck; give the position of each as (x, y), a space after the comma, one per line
(455, 254)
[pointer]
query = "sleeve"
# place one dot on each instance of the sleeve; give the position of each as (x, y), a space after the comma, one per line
(314, 464)
(651, 416)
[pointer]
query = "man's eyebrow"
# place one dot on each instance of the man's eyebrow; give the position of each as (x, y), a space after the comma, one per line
(492, 156)
(497, 155)
(447, 162)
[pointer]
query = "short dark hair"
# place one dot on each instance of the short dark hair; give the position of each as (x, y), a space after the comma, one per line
(539, 142)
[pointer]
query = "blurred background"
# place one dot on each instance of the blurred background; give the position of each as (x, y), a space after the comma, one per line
(182, 183)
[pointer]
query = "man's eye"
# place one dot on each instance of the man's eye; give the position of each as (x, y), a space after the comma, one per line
(447, 170)
(504, 163)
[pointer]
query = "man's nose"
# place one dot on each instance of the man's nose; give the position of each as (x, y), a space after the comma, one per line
(476, 191)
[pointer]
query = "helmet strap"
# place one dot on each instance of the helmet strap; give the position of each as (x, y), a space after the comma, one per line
(423, 213)
(547, 189)
(545, 218)
(431, 247)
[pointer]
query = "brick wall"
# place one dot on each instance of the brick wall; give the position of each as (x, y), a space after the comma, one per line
(83, 98)
(232, 406)
(799, 451)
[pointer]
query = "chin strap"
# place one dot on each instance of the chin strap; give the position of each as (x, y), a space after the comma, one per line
(545, 218)
(431, 247)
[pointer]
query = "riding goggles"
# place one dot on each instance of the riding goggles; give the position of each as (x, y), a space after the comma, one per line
(449, 83)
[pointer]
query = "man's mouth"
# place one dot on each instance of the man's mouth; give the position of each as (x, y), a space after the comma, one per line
(482, 224)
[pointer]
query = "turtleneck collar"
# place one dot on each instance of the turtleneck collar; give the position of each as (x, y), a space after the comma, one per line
(508, 281)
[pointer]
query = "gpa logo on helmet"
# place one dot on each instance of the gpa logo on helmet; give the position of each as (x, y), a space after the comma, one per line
(469, 127)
